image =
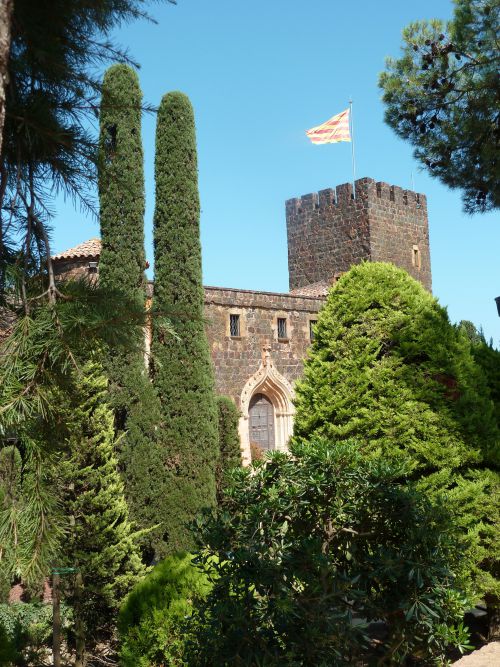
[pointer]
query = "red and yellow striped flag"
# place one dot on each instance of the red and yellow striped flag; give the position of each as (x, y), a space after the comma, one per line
(334, 130)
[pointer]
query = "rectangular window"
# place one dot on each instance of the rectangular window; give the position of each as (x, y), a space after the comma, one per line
(312, 324)
(234, 325)
(282, 332)
(415, 259)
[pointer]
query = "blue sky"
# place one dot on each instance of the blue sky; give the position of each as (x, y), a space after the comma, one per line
(260, 73)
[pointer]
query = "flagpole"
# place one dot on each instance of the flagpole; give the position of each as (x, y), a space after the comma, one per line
(352, 151)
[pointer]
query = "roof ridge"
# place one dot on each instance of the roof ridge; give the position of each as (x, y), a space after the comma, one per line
(89, 248)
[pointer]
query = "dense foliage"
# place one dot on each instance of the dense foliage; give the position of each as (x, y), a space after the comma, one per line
(121, 268)
(52, 96)
(100, 542)
(182, 367)
(121, 183)
(26, 632)
(37, 361)
(47, 149)
(487, 358)
(155, 619)
(442, 95)
(388, 369)
(229, 440)
(312, 547)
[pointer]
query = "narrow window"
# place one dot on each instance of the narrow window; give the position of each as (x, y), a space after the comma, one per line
(312, 324)
(234, 325)
(282, 333)
(92, 267)
(415, 258)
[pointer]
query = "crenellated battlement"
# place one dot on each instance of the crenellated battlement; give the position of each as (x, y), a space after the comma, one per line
(330, 230)
(342, 195)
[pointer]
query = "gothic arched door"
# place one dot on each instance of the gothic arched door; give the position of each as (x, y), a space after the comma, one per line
(261, 421)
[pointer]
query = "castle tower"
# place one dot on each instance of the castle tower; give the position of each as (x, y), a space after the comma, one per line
(329, 231)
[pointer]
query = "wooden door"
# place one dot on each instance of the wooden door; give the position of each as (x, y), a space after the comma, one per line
(261, 418)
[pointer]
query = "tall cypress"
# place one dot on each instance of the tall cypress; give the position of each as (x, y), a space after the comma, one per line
(121, 183)
(121, 270)
(182, 367)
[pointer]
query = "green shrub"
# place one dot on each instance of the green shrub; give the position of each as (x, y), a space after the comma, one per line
(100, 538)
(312, 546)
(26, 632)
(388, 369)
(229, 439)
(152, 620)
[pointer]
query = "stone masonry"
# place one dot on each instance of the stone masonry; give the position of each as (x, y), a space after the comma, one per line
(329, 231)
(237, 358)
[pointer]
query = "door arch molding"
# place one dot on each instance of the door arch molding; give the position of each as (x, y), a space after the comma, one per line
(268, 381)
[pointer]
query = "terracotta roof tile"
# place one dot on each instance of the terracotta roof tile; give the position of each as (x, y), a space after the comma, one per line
(90, 248)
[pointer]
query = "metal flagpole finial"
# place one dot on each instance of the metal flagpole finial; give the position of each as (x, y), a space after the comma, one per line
(352, 150)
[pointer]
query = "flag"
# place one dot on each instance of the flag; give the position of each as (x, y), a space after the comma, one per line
(334, 130)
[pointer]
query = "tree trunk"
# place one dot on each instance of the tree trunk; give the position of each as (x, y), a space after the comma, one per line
(80, 660)
(493, 609)
(6, 7)
(56, 620)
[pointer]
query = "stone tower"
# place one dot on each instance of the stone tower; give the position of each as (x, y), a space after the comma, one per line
(329, 231)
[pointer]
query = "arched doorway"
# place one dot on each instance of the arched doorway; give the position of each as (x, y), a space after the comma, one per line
(261, 422)
(277, 395)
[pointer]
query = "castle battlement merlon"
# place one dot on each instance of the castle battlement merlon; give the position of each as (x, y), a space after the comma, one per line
(367, 190)
(330, 230)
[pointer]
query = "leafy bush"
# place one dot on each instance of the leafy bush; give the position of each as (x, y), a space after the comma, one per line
(312, 546)
(152, 620)
(26, 632)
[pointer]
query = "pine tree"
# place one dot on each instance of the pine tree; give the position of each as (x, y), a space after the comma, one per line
(441, 95)
(121, 193)
(101, 542)
(182, 369)
(389, 370)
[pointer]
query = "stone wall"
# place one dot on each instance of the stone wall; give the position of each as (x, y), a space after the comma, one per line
(75, 268)
(237, 359)
(399, 231)
(329, 231)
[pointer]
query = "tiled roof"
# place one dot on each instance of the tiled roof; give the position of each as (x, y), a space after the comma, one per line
(90, 248)
(314, 289)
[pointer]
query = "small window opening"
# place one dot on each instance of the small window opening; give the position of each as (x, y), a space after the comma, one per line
(312, 324)
(415, 258)
(282, 332)
(234, 325)
(92, 267)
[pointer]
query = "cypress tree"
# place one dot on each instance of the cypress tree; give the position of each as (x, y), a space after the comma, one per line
(100, 541)
(182, 368)
(132, 396)
(229, 440)
(121, 183)
(388, 369)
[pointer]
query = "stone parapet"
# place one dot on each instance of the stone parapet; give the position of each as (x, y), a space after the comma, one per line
(330, 230)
